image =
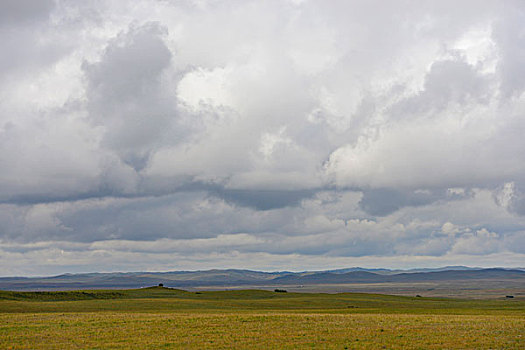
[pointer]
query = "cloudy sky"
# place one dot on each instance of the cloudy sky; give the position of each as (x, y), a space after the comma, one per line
(270, 135)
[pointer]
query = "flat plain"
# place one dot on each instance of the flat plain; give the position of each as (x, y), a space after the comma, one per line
(170, 318)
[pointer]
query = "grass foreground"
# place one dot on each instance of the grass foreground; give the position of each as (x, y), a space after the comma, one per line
(169, 318)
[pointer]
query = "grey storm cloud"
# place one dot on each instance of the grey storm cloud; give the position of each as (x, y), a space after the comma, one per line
(23, 11)
(264, 199)
(384, 201)
(271, 135)
(125, 93)
(23, 25)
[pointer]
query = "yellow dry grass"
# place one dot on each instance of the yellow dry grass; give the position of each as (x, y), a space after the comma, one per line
(259, 331)
(260, 320)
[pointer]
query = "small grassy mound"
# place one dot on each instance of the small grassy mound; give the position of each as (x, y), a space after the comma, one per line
(151, 292)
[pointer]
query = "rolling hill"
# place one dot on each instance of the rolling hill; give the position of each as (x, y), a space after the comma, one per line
(232, 277)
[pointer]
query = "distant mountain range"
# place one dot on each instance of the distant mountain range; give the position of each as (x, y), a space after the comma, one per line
(232, 277)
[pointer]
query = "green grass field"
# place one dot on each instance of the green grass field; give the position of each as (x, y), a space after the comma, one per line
(169, 318)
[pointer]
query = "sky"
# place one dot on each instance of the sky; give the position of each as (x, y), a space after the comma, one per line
(157, 135)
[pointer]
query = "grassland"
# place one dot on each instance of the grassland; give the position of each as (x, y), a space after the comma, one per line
(168, 318)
